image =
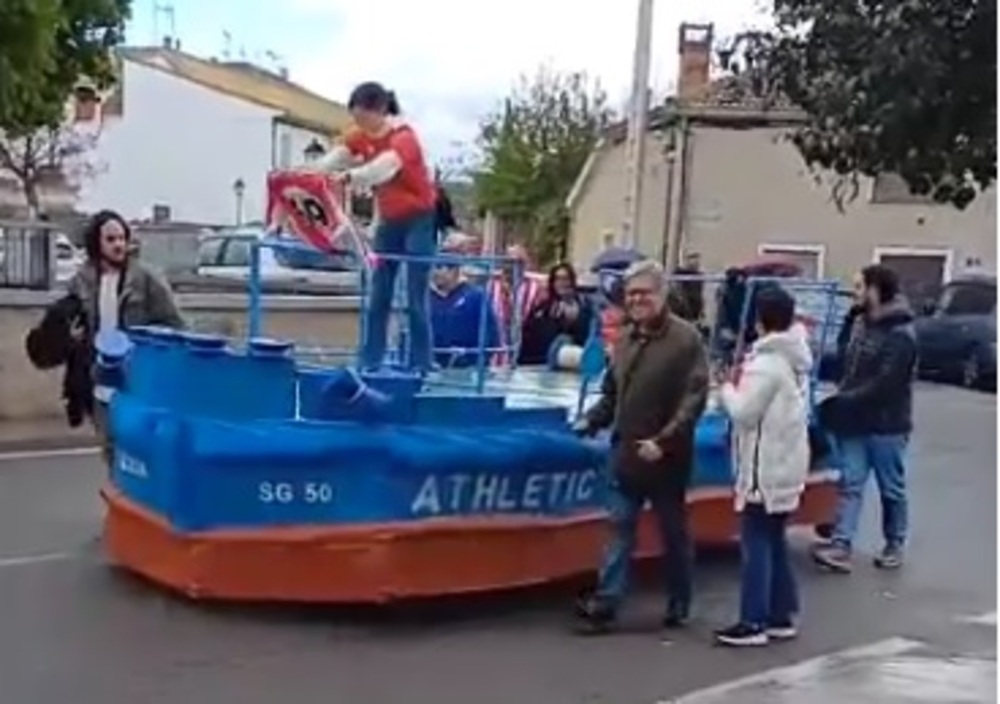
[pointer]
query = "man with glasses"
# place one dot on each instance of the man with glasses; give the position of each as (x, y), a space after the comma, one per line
(652, 397)
(462, 318)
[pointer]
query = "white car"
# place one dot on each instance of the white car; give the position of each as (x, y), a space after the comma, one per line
(226, 255)
(68, 259)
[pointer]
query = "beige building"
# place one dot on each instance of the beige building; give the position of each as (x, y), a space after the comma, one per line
(721, 181)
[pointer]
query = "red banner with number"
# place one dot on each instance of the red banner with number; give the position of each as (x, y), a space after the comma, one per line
(310, 205)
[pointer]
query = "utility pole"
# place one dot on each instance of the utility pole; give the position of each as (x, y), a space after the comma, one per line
(635, 151)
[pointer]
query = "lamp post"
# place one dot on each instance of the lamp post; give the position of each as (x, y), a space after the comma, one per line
(314, 151)
(239, 188)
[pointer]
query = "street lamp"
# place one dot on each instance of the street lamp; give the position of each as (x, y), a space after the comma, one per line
(314, 150)
(239, 188)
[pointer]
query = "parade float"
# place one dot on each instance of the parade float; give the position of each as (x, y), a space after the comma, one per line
(247, 470)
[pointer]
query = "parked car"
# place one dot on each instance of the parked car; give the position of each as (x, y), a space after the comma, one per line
(226, 255)
(957, 334)
(68, 259)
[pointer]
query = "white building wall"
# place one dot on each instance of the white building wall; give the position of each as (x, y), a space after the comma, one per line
(180, 145)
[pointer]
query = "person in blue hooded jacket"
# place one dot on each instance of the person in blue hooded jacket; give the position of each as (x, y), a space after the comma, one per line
(457, 310)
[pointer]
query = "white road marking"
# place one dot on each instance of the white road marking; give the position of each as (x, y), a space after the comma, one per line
(29, 560)
(987, 619)
(790, 675)
(48, 454)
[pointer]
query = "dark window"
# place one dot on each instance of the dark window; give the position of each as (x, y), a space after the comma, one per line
(210, 251)
(968, 299)
(237, 252)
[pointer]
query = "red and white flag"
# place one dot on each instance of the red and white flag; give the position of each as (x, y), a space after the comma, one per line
(311, 207)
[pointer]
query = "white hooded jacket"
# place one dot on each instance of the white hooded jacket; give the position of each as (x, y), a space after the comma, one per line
(769, 409)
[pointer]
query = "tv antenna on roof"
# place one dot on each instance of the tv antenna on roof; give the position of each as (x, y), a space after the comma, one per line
(165, 10)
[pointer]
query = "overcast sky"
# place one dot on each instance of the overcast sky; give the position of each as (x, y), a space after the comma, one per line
(450, 61)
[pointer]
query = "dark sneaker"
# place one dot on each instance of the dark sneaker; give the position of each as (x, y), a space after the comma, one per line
(674, 620)
(782, 630)
(833, 558)
(741, 636)
(594, 617)
(891, 558)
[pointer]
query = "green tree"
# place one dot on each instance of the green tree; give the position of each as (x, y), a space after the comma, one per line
(532, 151)
(46, 48)
(904, 86)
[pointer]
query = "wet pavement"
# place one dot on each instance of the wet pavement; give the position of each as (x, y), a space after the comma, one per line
(71, 629)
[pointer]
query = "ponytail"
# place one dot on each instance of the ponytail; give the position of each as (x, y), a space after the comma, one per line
(391, 104)
(373, 96)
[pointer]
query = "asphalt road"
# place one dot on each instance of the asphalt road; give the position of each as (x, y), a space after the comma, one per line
(71, 629)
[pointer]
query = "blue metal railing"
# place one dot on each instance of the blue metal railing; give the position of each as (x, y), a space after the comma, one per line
(398, 352)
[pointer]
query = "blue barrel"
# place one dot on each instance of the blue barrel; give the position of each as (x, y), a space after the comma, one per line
(221, 383)
(271, 379)
(112, 348)
(152, 365)
(217, 382)
(204, 379)
(346, 396)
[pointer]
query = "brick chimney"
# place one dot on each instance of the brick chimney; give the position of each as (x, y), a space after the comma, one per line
(695, 48)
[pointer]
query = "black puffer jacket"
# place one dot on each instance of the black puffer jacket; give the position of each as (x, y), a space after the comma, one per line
(875, 396)
(51, 344)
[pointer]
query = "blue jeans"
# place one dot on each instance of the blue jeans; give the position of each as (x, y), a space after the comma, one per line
(769, 594)
(624, 509)
(886, 456)
(411, 237)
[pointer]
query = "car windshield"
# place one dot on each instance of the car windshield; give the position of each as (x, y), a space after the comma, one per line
(968, 298)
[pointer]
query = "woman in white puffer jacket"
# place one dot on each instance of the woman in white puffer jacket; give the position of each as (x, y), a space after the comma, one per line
(769, 410)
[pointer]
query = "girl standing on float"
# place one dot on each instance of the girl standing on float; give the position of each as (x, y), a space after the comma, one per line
(385, 155)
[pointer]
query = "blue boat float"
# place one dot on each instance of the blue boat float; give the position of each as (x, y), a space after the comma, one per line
(242, 471)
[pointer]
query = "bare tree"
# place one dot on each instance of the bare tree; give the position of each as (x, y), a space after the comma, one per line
(65, 156)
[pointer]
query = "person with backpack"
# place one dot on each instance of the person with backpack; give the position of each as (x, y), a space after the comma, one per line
(769, 410)
(871, 417)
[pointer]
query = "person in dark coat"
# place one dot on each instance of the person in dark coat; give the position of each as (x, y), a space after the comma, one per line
(849, 326)
(116, 292)
(871, 415)
(562, 311)
(652, 397)
(690, 293)
(444, 215)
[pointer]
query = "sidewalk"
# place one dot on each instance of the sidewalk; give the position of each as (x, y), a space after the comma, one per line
(43, 434)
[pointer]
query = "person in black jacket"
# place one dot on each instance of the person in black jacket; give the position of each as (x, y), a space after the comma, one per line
(871, 415)
(562, 311)
(691, 292)
(849, 326)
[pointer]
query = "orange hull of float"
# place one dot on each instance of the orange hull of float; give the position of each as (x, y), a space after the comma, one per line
(391, 561)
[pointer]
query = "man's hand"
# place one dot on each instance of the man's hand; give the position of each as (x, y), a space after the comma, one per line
(650, 451)
(77, 330)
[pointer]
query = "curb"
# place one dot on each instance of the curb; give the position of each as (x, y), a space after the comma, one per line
(43, 444)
